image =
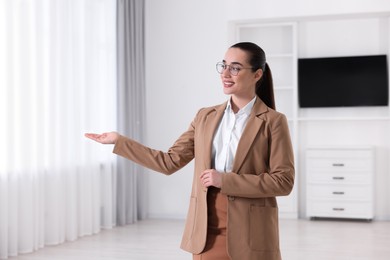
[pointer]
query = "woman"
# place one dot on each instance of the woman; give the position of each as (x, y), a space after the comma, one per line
(243, 160)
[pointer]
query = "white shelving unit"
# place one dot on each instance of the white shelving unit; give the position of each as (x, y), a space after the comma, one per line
(285, 40)
(279, 40)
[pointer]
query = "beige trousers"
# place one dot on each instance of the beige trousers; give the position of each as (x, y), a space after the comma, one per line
(215, 248)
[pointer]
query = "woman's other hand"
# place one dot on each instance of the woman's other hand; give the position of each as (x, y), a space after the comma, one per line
(211, 177)
(105, 138)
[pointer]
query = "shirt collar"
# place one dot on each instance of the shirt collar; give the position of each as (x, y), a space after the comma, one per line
(245, 110)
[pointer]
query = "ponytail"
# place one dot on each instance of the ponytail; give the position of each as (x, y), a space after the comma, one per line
(256, 57)
(265, 88)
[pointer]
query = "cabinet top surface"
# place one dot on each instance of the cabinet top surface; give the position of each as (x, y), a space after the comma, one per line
(344, 147)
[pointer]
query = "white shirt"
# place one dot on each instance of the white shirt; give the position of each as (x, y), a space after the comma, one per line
(228, 135)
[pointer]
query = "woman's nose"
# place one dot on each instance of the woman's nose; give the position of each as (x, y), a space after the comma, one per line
(226, 72)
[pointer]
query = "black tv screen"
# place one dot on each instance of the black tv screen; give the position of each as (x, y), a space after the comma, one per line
(343, 81)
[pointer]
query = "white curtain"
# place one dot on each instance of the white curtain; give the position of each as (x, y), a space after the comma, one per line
(131, 188)
(57, 81)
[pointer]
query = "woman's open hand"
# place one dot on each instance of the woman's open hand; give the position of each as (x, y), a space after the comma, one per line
(105, 138)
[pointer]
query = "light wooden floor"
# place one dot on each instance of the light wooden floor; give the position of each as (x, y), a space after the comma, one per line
(160, 239)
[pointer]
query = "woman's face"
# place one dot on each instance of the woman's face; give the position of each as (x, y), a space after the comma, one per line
(243, 84)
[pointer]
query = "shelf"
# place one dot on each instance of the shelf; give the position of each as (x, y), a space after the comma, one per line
(284, 88)
(280, 55)
(308, 119)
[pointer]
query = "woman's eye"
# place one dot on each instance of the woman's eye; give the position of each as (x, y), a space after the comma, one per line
(237, 69)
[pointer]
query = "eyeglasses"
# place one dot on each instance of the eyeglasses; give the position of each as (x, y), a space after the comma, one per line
(233, 69)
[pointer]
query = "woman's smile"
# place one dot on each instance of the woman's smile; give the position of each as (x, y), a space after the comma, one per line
(227, 84)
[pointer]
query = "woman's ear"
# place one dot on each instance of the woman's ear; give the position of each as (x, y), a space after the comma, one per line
(258, 74)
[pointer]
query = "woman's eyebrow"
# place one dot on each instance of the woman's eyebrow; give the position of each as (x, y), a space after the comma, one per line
(234, 62)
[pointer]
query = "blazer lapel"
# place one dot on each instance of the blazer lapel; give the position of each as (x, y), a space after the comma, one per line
(211, 123)
(251, 130)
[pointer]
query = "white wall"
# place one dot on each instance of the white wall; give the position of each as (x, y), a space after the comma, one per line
(184, 40)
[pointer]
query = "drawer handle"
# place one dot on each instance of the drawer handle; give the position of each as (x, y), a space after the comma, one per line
(338, 192)
(338, 209)
(338, 178)
(338, 164)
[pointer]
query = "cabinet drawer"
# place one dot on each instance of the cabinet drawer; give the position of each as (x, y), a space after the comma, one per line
(339, 192)
(339, 164)
(336, 209)
(339, 178)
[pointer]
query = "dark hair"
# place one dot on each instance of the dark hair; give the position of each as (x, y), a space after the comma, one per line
(264, 87)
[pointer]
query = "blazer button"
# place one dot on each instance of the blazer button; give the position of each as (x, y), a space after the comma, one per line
(231, 198)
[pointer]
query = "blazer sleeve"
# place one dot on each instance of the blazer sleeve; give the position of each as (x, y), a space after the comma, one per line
(177, 156)
(275, 176)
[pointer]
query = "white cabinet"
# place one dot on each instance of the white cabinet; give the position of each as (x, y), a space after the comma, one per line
(340, 182)
(279, 41)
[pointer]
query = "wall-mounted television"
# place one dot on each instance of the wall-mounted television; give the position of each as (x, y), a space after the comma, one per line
(343, 81)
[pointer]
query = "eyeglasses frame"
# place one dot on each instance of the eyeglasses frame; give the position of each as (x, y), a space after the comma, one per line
(229, 66)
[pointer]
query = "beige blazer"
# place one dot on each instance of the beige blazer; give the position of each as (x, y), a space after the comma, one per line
(262, 169)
